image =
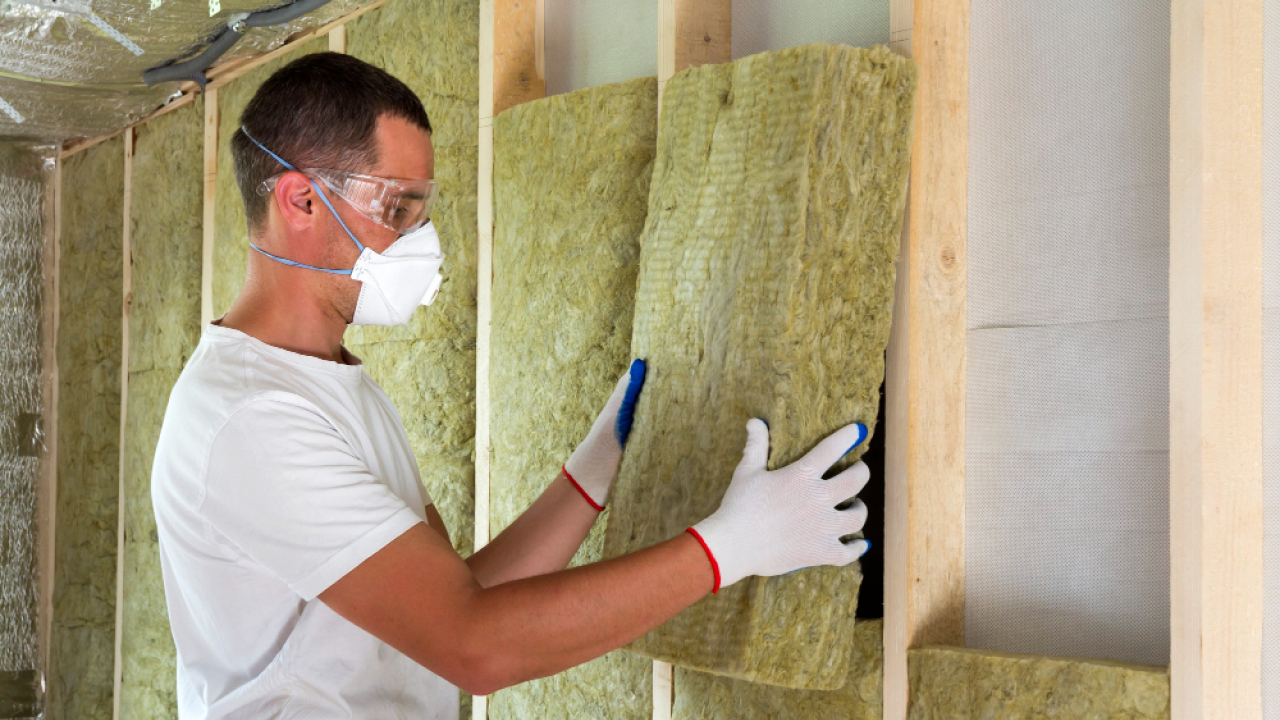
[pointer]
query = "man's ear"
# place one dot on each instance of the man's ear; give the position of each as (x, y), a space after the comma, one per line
(295, 199)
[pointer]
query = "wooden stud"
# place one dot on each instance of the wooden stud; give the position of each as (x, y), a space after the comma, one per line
(663, 690)
(692, 33)
(47, 497)
(338, 38)
(925, 398)
(511, 72)
(1215, 343)
(210, 193)
(126, 303)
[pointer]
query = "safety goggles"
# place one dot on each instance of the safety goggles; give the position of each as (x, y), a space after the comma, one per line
(399, 205)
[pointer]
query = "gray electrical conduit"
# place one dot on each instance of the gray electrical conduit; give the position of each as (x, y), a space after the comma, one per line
(194, 68)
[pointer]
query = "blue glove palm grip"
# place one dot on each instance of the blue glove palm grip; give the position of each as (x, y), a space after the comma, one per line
(626, 413)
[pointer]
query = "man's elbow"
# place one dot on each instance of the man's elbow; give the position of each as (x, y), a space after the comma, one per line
(484, 672)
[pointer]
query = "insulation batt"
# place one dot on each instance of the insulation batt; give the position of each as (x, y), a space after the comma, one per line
(701, 696)
(571, 189)
(428, 367)
(961, 684)
(166, 209)
(89, 344)
(765, 290)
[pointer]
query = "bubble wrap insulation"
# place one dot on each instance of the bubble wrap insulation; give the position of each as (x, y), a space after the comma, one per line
(164, 325)
(68, 77)
(91, 266)
(1068, 332)
(571, 190)
(1271, 362)
(765, 290)
(24, 175)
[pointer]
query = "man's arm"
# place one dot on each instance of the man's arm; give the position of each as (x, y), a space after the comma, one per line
(420, 598)
(542, 540)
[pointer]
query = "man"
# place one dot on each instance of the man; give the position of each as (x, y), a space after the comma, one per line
(306, 571)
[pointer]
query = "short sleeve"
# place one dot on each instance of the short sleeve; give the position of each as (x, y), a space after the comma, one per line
(288, 491)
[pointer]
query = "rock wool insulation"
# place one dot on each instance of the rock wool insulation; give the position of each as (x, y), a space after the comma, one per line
(765, 290)
(428, 367)
(571, 190)
(962, 684)
(231, 230)
(701, 696)
(164, 327)
(89, 343)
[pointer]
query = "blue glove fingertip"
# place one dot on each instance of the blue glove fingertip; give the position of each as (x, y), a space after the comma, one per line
(626, 413)
(862, 435)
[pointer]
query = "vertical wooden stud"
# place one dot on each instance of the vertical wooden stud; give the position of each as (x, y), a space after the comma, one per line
(338, 39)
(127, 301)
(925, 401)
(511, 72)
(1215, 336)
(47, 497)
(210, 193)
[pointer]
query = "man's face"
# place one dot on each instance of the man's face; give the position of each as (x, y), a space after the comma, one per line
(404, 152)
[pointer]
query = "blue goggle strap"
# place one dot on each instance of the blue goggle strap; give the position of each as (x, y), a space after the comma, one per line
(323, 197)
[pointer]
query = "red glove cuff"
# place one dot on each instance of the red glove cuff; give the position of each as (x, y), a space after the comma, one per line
(715, 567)
(594, 504)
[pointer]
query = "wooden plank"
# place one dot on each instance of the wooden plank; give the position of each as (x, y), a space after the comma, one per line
(663, 690)
(511, 72)
(692, 33)
(210, 193)
(925, 399)
(47, 497)
(338, 39)
(76, 146)
(127, 301)
(1215, 342)
(516, 70)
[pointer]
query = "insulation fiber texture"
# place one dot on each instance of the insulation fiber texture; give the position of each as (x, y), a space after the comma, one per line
(164, 327)
(24, 230)
(701, 696)
(571, 190)
(961, 684)
(231, 229)
(91, 264)
(765, 290)
(428, 367)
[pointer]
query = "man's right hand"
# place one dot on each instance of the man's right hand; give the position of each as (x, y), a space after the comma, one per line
(772, 522)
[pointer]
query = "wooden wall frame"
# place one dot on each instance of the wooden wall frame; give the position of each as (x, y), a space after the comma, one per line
(126, 303)
(925, 373)
(47, 495)
(1215, 342)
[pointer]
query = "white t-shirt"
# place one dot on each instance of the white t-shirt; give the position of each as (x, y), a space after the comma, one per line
(275, 475)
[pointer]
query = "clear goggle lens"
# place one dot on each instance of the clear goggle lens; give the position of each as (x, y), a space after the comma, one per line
(399, 205)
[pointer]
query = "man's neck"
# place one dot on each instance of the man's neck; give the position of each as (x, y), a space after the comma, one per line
(286, 315)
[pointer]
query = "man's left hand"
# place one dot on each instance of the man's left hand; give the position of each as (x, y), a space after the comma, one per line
(594, 464)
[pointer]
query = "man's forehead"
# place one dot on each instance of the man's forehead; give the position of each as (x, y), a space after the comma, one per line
(404, 149)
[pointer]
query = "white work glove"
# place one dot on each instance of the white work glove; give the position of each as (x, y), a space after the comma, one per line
(774, 522)
(594, 464)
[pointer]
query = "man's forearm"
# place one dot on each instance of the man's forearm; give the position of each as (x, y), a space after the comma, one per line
(542, 540)
(542, 625)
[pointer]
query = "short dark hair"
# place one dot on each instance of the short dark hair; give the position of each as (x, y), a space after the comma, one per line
(320, 110)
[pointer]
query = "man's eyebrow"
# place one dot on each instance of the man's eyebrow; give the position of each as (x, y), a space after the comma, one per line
(414, 195)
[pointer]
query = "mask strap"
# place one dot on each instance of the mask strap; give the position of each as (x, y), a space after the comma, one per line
(323, 197)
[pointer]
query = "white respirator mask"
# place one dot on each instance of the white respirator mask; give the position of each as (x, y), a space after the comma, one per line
(393, 283)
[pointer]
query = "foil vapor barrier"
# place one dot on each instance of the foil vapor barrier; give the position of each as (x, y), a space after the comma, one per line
(25, 170)
(66, 74)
